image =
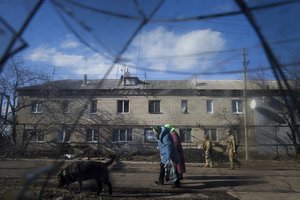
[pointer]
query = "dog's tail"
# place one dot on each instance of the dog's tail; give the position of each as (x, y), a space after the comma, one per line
(111, 160)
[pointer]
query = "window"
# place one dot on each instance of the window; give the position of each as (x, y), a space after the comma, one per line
(64, 106)
(130, 81)
(237, 106)
(93, 106)
(36, 106)
(185, 135)
(123, 106)
(92, 135)
(209, 106)
(212, 133)
(33, 135)
(184, 106)
(150, 135)
(154, 106)
(63, 135)
(122, 135)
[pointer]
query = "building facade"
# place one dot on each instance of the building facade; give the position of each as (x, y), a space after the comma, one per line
(120, 113)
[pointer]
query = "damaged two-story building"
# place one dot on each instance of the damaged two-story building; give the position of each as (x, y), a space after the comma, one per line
(120, 113)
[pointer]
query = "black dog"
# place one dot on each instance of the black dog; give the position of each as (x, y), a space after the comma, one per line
(85, 170)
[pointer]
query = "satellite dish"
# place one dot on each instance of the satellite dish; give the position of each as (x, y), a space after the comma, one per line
(253, 104)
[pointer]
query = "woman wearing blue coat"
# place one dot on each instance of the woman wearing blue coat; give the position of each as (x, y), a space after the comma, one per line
(168, 153)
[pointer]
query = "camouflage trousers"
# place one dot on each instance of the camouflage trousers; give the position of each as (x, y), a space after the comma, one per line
(233, 160)
(208, 160)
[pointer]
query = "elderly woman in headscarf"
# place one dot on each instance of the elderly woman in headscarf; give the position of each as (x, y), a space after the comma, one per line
(168, 153)
(181, 165)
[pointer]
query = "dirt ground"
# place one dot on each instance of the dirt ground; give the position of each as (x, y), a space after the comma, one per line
(9, 192)
(12, 189)
(36, 191)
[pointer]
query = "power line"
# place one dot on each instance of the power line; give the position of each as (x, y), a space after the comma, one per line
(105, 12)
(226, 14)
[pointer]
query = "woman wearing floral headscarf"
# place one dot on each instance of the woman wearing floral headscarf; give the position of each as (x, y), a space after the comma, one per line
(181, 165)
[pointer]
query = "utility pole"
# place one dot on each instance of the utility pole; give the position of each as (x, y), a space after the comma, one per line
(245, 103)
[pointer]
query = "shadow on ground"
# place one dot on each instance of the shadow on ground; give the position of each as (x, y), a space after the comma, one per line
(209, 182)
(9, 192)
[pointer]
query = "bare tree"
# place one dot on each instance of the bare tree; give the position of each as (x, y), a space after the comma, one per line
(232, 122)
(293, 118)
(285, 101)
(15, 75)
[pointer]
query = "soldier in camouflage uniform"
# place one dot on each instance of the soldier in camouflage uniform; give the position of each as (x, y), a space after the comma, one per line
(207, 147)
(231, 150)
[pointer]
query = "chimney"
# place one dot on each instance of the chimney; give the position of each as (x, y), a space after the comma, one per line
(84, 80)
(127, 73)
(194, 80)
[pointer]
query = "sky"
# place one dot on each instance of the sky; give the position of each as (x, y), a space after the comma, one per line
(208, 49)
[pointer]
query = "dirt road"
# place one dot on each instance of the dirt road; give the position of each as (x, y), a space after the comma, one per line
(135, 180)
